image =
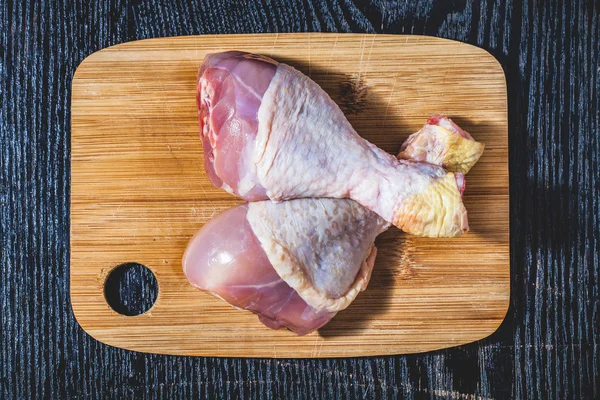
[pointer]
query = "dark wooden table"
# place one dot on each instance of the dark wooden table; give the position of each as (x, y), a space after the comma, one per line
(548, 346)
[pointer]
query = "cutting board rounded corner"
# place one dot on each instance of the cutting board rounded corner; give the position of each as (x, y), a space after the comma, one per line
(87, 325)
(500, 321)
(89, 59)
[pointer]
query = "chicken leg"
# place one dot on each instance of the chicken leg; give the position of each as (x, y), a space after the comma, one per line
(270, 132)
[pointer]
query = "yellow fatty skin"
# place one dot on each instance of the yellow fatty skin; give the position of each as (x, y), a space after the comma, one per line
(441, 212)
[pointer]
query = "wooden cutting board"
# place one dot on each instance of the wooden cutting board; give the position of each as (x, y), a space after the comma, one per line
(139, 192)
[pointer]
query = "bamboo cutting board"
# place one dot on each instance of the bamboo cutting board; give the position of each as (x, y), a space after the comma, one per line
(139, 193)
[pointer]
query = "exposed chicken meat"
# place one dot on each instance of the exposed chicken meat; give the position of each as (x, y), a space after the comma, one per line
(294, 264)
(269, 132)
(228, 97)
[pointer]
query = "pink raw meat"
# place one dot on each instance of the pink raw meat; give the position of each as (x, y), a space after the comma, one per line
(225, 258)
(228, 99)
(269, 132)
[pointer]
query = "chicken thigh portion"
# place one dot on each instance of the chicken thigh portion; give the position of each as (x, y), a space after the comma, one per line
(270, 132)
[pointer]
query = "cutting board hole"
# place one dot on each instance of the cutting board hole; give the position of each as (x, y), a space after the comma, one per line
(131, 289)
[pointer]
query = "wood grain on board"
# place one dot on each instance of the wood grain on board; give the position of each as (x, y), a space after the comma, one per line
(139, 192)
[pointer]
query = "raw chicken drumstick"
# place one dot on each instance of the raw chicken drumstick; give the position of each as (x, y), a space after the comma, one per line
(297, 263)
(252, 255)
(270, 132)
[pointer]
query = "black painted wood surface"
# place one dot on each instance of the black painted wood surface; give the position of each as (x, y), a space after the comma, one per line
(548, 347)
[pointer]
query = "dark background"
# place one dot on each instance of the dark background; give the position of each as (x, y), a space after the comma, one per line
(548, 345)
